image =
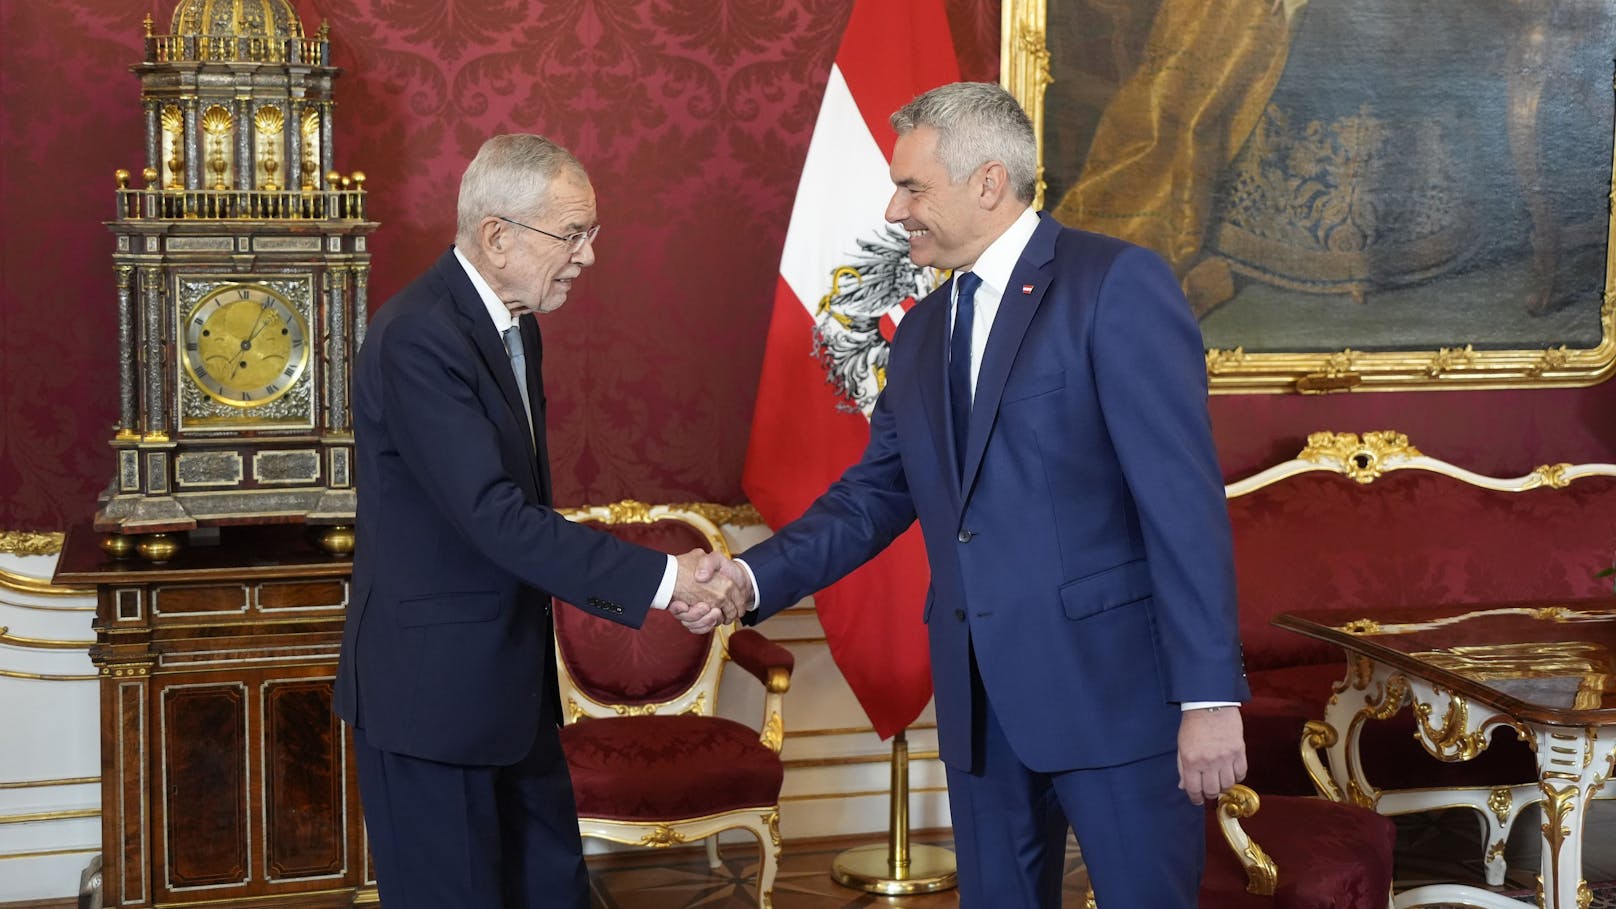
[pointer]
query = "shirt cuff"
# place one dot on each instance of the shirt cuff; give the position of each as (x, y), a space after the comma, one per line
(1202, 705)
(757, 595)
(664, 591)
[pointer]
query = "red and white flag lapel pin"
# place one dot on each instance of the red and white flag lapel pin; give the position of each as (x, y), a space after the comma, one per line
(1026, 290)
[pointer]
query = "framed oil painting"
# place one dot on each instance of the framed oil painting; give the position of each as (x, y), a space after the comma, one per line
(1377, 194)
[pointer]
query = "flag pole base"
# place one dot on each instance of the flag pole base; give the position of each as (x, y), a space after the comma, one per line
(897, 868)
(869, 868)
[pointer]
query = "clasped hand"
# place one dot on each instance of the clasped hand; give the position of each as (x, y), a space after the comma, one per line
(710, 590)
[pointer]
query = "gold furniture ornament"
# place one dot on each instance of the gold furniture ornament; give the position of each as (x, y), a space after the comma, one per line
(1539, 669)
(241, 269)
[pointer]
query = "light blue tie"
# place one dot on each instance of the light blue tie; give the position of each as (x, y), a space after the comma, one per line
(513, 346)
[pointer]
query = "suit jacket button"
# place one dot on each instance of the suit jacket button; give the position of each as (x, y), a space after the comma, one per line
(959, 614)
(965, 536)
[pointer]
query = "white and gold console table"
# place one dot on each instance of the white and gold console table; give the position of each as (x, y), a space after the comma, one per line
(1544, 669)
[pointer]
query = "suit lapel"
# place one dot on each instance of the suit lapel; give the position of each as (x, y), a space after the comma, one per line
(490, 347)
(533, 345)
(1016, 311)
(933, 372)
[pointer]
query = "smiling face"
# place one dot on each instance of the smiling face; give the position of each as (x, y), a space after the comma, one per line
(949, 224)
(533, 272)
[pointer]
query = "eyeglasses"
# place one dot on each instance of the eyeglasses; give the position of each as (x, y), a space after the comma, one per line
(575, 242)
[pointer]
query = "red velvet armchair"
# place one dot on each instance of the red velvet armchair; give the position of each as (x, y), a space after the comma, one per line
(651, 764)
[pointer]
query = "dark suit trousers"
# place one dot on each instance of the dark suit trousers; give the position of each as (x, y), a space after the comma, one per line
(1142, 841)
(446, 836)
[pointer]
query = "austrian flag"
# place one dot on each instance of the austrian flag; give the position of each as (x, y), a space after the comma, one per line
(845, 281)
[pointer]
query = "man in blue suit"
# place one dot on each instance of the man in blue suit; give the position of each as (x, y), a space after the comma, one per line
(447, 672)
(1045, 420)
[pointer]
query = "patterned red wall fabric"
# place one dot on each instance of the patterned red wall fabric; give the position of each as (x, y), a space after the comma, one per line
(693, 117)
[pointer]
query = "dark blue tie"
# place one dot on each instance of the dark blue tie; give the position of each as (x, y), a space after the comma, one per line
(959, 363)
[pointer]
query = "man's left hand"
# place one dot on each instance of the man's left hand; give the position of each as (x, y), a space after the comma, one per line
(1211, 752)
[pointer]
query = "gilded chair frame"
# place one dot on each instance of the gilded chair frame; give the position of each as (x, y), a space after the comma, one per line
(700, 699)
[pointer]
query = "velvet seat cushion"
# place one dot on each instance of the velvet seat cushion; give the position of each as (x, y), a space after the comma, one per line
(661, 768)
(1329, 855)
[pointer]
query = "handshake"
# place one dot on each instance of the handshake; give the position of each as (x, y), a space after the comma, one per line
(710, 590)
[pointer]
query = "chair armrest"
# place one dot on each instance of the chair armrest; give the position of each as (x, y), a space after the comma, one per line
(772, 664)
(1262, 877)
(768, 661)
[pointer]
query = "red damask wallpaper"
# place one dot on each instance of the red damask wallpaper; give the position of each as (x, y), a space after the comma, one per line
(692, 116)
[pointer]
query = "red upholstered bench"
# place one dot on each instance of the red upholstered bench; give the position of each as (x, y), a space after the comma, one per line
(1371, 521)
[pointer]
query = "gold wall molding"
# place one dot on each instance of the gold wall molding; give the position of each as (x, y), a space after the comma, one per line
(35, 543)
(859, 793)
(853, 730)
(34, 816)
(854, 760)
(48, 853)
(46, 676)
(42, 587)
(30, 543)
(17, 640)
(41, 784)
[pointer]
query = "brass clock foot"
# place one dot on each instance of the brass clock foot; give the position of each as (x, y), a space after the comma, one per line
(337, 539)
(118, 546)
(158, 548)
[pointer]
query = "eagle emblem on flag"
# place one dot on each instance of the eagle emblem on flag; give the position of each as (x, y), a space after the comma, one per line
(854, 321)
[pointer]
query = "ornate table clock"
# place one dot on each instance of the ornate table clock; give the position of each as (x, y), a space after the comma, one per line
(241, 274)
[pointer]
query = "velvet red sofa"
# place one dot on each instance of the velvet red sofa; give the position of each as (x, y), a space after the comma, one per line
(1371, 521)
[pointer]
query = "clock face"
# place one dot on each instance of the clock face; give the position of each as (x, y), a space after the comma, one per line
(245, 344)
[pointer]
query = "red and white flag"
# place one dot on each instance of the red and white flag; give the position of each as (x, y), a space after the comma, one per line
(845, 282)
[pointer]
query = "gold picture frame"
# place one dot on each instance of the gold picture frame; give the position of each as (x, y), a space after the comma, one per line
(1476, 312)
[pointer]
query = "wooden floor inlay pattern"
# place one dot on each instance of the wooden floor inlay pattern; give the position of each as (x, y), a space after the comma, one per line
(1439, 846)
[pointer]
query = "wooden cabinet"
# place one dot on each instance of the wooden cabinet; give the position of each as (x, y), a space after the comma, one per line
(226, 778)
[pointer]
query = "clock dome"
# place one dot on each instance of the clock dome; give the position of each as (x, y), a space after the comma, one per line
(272, 19)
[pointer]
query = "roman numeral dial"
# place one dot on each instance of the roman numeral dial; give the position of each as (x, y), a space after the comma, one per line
(245, 345)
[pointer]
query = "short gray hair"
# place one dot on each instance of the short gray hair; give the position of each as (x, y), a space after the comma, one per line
(976, 122)
(510, 176)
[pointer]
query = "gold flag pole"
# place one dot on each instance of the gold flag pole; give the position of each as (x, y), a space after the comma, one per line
(896, 868)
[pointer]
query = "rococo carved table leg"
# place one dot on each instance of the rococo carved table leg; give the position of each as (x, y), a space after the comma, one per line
(1451, 731)
(1573, 763)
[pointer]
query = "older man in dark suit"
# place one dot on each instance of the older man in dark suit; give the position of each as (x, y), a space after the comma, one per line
(447, 672)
